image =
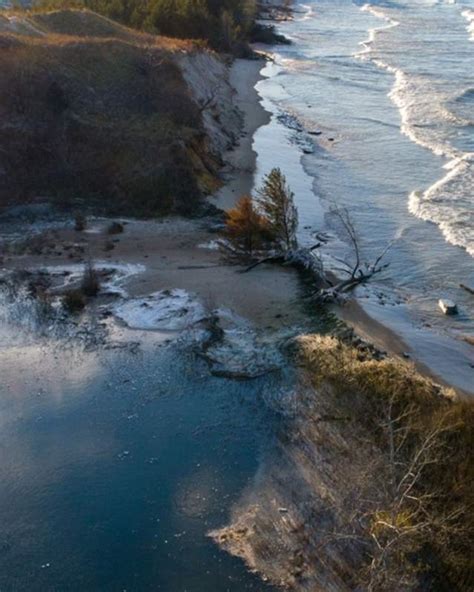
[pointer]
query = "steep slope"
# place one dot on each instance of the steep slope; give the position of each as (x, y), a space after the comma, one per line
(94, 111)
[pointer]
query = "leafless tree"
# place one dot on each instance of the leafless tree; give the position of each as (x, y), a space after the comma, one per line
(209, 100)
(355, 268)
(398, 509)
(413, 514)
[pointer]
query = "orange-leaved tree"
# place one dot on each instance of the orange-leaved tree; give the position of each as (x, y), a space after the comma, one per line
(246, 229)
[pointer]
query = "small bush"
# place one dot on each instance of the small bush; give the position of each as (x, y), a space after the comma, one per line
(74, 301)
(109, 246)
(90, 285)
(246, 230)
(80, 222)
(115, 228)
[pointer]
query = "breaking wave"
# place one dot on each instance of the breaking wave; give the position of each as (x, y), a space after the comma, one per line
(427, 121)
(468, 14)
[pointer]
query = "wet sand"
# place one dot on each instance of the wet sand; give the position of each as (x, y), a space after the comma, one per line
(239, 179)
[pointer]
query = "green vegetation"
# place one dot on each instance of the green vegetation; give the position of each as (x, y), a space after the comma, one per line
(225, 24)
(414, 515)
(268, 223)
(276, 202)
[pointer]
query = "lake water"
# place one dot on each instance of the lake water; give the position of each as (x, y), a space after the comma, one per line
(387, 90)
(115, 465)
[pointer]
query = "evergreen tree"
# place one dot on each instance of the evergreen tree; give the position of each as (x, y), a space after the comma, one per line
(276, 203)
(225, 24)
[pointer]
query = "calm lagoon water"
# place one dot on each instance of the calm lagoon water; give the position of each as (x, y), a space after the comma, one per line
(114, 466)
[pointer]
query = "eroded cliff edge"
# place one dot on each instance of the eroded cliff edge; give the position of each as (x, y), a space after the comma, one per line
(117, 119)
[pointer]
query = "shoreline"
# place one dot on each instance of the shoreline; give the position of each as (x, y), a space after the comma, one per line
(179, 253)
(243, 160)
(446, 358)
(306, 470)
(387, 339)
(236, 432)
(239, 170)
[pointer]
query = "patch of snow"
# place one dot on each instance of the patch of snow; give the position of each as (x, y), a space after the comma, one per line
(120, 273)
(242, 351)
(212, 245)
(167, 310)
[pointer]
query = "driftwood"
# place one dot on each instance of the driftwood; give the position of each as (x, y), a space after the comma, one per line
(467, 288)
(333, 293)
(301, 258)
(358, 272)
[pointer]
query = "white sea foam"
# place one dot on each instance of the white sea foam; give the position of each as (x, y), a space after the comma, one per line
(367, 43)
(426, 120)
(309, 12)
(445, 203)
(422, 110)
(420, 105)
(468, 14)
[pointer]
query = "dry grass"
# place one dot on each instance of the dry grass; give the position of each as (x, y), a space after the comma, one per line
(347, 369)
(96, 111)
(72, 25)
(424, 517)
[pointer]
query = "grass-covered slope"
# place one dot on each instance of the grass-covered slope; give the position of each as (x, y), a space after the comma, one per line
(90, 109)
(368, 487)
(224, 24)
(414, 514)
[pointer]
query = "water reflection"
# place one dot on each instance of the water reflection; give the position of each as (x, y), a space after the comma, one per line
(114, 466)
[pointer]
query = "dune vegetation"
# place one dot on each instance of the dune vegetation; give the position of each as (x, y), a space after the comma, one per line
(414, 515)
(92, 110)
(225, 24)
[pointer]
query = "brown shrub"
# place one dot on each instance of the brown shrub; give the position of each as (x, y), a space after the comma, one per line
(107, 119)
(73, 301)
(90, 285)
(115, 228)
(245, 228)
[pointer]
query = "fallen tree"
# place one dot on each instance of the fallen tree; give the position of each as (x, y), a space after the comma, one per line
(357, 270)
(286, 251)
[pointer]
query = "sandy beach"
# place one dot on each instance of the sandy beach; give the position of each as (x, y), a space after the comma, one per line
(241, 160)
(181, 253)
